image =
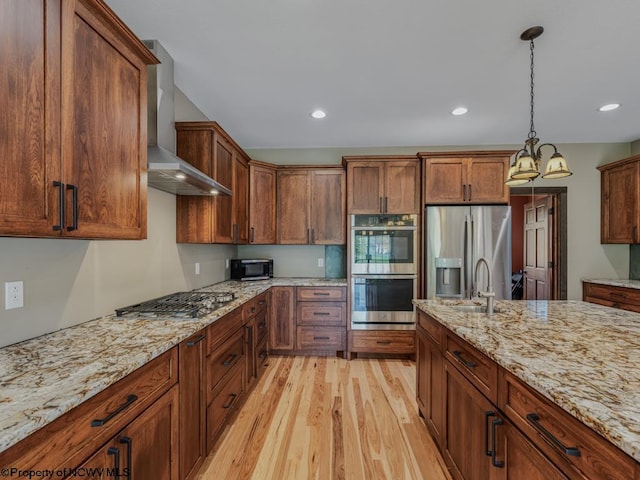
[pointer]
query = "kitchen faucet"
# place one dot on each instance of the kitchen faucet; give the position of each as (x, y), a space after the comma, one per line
(490, 293)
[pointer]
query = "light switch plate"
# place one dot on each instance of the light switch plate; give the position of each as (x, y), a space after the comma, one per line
(197, 268)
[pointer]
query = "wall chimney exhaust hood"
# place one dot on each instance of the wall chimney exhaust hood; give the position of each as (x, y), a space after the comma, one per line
(167, 171)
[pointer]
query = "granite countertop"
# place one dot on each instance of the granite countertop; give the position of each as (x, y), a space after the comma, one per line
(583, 357)
(45, 377)
(614, 282)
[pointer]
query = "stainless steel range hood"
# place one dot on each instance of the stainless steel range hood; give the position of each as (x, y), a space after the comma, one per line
(167, 171)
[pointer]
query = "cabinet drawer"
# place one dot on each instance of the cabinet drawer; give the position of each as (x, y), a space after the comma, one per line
(320, 338)
(614, 296)
(477, 367)
(383, 341)
(431, 328)
(220, 330)
(315, 294)
(224, 403)
(563, 438)
(255, 305)
(221, 362)
(70, 439)
(328, 314)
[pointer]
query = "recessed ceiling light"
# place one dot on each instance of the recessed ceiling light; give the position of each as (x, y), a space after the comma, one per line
(608, 107)
(180, 176)
(459, 111)
(318, 114)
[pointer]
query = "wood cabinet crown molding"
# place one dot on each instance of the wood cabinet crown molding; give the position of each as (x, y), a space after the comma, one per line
(376, 158)
(215, 126)
(466, 153)
(618, 163)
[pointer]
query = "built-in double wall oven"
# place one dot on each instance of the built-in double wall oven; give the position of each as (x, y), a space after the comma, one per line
(384, 271)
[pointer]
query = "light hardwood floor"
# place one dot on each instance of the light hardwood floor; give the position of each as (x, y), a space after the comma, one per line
(328, 418)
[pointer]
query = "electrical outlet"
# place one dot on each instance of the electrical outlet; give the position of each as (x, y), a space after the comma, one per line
(197, 268)
(226, 263)
(13, 295)
(320, 262)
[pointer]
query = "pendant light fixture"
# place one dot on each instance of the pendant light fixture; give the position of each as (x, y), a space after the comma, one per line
(527, 161)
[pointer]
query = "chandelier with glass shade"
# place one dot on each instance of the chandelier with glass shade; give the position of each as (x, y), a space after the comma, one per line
(528, 160)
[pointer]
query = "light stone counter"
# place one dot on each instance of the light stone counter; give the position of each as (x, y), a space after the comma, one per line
(583, 357)
(615, 282)
(45, 377)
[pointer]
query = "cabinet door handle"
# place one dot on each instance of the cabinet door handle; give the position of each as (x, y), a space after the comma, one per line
(116, 458)
(230, 359)
(308, 235)
(253, 235)
(60, 225)
(232, 400)
(381, 208)
(534, 419)
(235, 233)
(467, 363)
(74, 199)
(313, 235)
(487, 415)
(383, 342)
(464, 192)
(470, 192)
(386, 201)
(98, 422)
(129, 443)
(321, 338)
(494, 427)
(196, 340)
(635, 234)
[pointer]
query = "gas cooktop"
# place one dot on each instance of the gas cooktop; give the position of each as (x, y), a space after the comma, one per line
(180, 305)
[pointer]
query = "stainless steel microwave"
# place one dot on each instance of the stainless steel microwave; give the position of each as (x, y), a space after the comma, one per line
(244, 269)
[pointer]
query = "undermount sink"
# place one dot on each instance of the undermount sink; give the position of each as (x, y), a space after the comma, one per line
(472, 308)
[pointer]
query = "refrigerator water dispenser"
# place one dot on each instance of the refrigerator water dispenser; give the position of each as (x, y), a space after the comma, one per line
(449, 277)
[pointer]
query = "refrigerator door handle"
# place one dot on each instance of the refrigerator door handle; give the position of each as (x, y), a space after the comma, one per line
(466, 257)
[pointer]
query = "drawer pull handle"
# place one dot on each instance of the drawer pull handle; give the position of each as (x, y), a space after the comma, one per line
(494, 426)
(618, 294)
(383, 342)
(321, 338)
(535, 421)
(230, 360)
(98, 422)
(195, 341)
(129, 443)
(487, 415)
(320, 314)
(232, 400)
(321, 294)
(467, 363)
(263, 354)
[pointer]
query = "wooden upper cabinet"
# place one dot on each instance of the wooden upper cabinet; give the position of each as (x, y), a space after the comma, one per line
(311, 206)
(73, 102)
(262, 203)
(217, 219)
(383, 184)
(466, 177)
(620, 197)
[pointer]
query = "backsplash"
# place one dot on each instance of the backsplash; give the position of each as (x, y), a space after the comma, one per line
(335, 261)
(634, 262)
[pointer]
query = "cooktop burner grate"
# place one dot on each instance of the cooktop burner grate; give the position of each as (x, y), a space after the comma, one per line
(180, 304)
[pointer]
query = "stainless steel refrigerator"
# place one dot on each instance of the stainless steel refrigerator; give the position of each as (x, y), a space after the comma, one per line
(455, 238)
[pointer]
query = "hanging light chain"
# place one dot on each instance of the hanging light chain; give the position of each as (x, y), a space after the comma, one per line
(532, 131)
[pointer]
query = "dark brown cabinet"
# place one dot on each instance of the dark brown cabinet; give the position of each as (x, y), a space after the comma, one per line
(466, 177)
(191, 355)
(76, 79)
(262, 203)
(620, 201)
(215, 219)
(311, 206)
(383, 184)
(612, 296)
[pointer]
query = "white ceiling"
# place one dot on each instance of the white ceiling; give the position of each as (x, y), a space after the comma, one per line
(389, 72)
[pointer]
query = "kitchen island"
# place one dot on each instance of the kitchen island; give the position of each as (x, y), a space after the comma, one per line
(43, 378)
(581, 357)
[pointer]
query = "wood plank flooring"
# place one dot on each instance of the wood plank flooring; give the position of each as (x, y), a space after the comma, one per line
(328, 418)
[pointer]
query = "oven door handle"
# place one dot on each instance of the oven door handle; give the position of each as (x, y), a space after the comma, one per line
(384, 276)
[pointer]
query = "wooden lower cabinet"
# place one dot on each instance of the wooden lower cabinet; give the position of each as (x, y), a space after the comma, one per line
(146, 448)
(193, 397)
(282, 334)
(612, 296)
(429, 381)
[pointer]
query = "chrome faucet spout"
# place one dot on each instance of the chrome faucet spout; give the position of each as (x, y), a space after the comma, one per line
(489, 294)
